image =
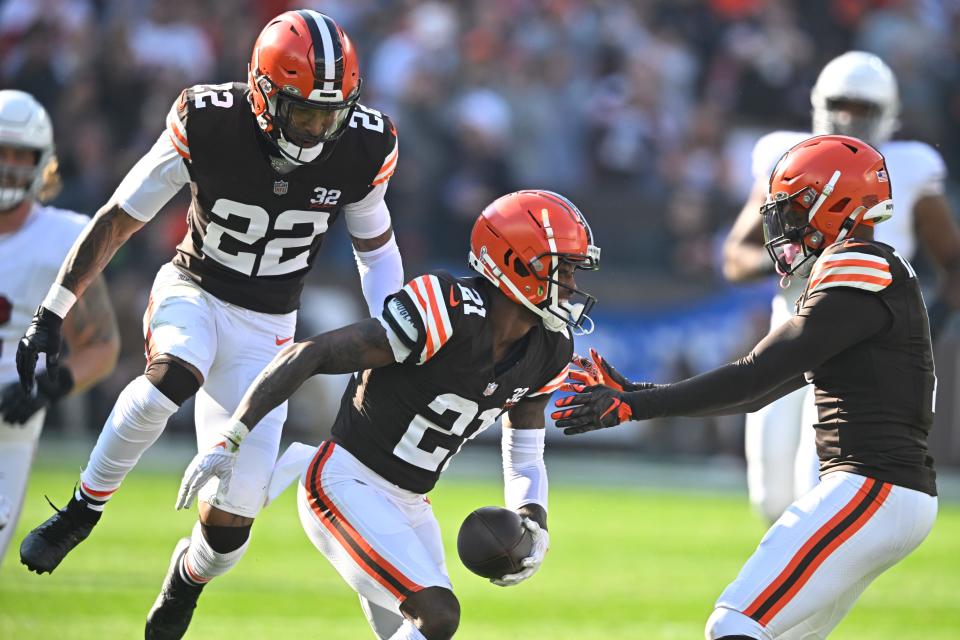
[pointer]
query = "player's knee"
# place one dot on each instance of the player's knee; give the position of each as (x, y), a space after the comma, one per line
(174, 378)
(435, 611)
(731, 625)
(225, 539)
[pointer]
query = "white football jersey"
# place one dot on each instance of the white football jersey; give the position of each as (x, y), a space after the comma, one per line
(916, 170)
(30, 259)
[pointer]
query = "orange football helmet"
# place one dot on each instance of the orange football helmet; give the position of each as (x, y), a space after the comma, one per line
(822, 189)
(305, 81)
(519, 242)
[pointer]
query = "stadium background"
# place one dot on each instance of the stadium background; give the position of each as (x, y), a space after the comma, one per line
(643, 112)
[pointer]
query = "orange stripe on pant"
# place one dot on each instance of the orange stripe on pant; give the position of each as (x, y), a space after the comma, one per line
(367, 558)
(840, 528)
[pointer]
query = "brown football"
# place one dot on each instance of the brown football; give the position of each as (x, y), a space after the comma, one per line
(492, 542)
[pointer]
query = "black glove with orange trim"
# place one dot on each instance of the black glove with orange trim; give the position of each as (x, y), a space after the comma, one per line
(595, 407)
(595, 370)
(601, 397)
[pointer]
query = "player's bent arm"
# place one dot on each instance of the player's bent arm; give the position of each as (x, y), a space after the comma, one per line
(91, 332)
(99, 241)
(375, 247)
(525, 484)
(821, 329)
(744, 256)
(359, 346)
(939, 235)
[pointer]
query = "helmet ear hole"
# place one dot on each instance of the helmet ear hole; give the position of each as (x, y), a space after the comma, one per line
(520, 268)
(840, 205)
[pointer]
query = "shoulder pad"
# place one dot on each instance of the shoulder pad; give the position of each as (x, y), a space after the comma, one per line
(854, 264)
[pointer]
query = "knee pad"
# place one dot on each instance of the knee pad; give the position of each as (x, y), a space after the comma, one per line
(730, 625)
(436, 610)
(174, 380)
(225, 539)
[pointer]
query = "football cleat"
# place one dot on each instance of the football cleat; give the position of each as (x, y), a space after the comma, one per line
(44, 548)
(173, 609)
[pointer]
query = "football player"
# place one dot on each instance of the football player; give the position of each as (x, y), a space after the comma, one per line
(34, 239)
(271, 164)
(442, 362)
(856, 95)
(862, 337)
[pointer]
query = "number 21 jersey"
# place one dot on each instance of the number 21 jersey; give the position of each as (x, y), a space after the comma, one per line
(254, 231)
(405, 421)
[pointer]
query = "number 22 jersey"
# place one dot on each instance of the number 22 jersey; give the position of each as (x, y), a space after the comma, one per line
(254, 231)
(406, 420)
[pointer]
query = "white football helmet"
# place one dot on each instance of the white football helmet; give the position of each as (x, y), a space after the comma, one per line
(856, 76)
(24, 123)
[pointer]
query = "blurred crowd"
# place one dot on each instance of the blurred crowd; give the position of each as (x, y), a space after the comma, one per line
(644, 112)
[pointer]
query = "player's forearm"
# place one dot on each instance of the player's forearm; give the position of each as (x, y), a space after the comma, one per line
(357, 347)
(745, 262)
(92, 334)
(106, 232)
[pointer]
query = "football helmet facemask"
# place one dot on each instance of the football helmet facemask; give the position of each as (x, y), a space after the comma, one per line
(24, 124)
(821, 190)
(527, 244)
(305, 81)
(856, 95)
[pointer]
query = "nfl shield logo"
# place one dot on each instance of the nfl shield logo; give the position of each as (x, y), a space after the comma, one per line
(280, 187)
(491, 388)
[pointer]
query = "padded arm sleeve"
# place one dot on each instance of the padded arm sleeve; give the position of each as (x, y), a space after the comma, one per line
(524, 474)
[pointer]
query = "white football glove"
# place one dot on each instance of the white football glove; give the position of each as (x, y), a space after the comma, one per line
(216, 462)
(541, 544)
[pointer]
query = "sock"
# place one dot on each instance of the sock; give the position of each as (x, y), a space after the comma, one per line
(201, 563)
(137, 420)
(408, 631)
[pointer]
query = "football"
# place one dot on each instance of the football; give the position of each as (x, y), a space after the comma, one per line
(492, 542)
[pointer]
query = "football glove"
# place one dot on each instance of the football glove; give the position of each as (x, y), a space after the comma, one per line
(216, 462)
(42, 336)
(541, 544)
(595, 370)
(17, 406)
(592, 408)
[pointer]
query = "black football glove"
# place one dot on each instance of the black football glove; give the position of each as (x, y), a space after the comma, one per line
(17, 406)
(594, 407)
(42, 336)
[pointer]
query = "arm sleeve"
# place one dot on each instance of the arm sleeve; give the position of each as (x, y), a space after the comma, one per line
(828, 323)
(524, 473)
(368, 217)
(156, 178)
(418, 320)
(381, 273)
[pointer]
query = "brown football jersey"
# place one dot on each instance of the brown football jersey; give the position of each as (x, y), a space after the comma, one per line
(875, 399)
(407, 420)
(254, 232)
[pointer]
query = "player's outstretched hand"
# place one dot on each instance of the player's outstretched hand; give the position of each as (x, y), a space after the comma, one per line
(42, 336)
(216, 462)
(541, 544)
(597, 370)
(592, 408)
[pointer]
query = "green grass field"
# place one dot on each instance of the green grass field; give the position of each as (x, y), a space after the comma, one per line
(623, 564)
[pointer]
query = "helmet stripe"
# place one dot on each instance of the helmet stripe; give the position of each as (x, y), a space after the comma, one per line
(326, 38)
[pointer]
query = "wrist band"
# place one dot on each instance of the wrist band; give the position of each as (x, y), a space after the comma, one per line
(236, 432)
(59, 300)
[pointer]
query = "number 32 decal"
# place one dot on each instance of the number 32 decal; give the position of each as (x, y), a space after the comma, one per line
(268, 261)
